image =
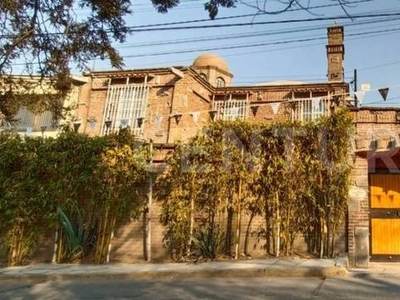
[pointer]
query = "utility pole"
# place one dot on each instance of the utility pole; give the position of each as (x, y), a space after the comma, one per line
(355, 88)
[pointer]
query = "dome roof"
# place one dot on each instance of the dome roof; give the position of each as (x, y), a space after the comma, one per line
(210, 59)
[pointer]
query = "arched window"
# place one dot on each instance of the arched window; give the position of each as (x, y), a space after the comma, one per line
(220, 82)
(204, 76)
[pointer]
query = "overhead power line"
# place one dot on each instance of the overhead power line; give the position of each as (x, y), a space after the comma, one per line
(340, 17)
(249, 34)
(247, 45)
(243, 16)
(134, 29)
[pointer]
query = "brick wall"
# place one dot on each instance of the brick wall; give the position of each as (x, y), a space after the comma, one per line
(375, 129)
(358, 211)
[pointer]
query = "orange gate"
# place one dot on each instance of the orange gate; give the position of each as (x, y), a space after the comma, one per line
(385, 216)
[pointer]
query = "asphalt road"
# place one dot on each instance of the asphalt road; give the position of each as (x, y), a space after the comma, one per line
(206, 288)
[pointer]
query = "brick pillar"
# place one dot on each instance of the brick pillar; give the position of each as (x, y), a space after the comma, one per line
(358, 217)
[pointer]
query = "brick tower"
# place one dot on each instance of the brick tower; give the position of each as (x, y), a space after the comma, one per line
(335, 54)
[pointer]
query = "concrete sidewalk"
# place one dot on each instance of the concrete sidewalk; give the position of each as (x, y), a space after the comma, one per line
(271, 267)
(378, 269)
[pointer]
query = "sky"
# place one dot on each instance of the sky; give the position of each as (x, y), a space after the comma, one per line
(263, 47)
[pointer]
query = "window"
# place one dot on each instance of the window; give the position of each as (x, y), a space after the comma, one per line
(231, 109)
(125, 106)
(26, 119)
(204, 76)
(310, 109)
(220, 82)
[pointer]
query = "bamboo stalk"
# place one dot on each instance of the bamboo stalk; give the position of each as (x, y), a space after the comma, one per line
(109, 247)
(103, 237)
(321, 250)
(60, 245)
(287, 231)
(20, 245)
(246, 240)
(110, 237)
(54, 258)
(17, 246)
(12, 247)
(238, 219)
(278, 227)
(191, 225)
(149, 208)
(101, 240)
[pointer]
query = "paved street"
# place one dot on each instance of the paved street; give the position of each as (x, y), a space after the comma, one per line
(363, 287)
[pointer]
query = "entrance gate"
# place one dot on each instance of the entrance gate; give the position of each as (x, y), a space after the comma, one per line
(385, 217)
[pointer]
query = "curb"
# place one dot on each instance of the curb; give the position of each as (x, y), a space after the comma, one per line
(260, 272)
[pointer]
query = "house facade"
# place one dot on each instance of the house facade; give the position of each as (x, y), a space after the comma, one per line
(170, 104)
(40, 121)
(166, 105)
(374, 198)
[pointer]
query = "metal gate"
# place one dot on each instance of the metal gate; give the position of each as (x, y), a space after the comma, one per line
(385, 217)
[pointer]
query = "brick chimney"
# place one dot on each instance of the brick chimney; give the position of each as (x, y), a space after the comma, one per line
(335, 53)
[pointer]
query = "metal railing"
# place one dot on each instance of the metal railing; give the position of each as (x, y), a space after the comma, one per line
(310, 109)
(231, 109)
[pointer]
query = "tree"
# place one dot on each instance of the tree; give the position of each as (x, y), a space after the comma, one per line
(51, 33)
(45, 36)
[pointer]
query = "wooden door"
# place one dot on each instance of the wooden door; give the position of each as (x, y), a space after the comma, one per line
(385, 216)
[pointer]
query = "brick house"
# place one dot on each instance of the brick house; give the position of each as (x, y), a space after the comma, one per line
(168, 104)
(172, 104)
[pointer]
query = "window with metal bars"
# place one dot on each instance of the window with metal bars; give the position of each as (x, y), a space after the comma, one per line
(125, 107)
(25, 119)
(310, 109)
(231, 109)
